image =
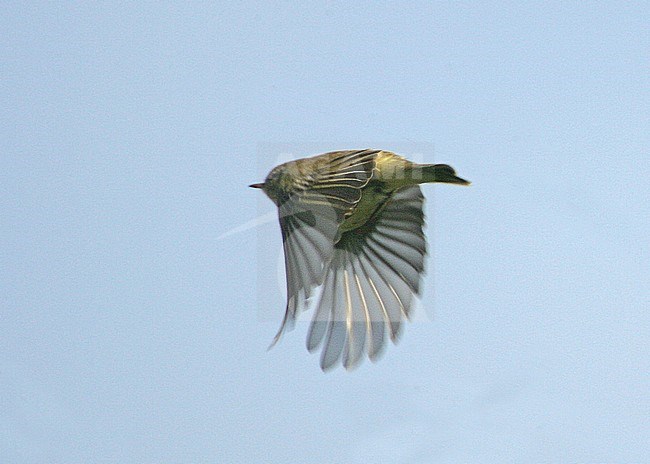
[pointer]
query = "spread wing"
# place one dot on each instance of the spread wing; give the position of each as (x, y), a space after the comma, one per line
(310, 217)
(370, 283)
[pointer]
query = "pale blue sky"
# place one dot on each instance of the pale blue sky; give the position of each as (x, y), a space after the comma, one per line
(131, 332)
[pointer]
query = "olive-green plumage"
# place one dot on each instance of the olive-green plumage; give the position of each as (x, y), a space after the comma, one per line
(352, 222)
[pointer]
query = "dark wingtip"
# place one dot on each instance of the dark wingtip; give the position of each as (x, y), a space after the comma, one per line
(276, 339)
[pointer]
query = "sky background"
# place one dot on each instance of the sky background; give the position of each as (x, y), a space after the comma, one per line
(132, 330)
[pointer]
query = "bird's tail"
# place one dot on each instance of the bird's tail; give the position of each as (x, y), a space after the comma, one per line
(437, 173)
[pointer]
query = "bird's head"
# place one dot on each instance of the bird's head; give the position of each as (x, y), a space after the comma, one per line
(275, 185)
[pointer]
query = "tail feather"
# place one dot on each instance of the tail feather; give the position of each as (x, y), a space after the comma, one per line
(438, 173)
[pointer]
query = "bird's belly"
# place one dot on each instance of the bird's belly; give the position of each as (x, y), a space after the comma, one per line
(372, 200)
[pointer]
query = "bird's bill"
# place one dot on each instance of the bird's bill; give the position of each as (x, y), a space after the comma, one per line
(257, 186)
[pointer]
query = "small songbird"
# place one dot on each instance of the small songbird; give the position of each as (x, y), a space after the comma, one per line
(352, 223)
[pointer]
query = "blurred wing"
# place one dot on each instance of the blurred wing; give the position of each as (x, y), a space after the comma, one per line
(370, 282)
(310, 219)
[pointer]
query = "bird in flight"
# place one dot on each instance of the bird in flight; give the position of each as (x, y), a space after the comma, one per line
(352, 224)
